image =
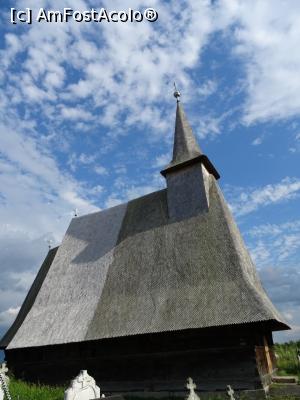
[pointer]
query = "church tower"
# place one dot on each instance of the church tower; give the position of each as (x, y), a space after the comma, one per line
(188, 173)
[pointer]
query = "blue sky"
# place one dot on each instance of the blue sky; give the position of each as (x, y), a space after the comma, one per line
(87, 118)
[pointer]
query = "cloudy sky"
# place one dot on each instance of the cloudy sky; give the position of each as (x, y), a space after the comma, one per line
(87, 118)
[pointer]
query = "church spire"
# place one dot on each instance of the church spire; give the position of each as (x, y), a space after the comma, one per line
(188, 174)
(186, 150)
(185, 145)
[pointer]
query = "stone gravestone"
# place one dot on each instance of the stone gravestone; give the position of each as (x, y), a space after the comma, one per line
(4, 380)
(83, 387)
(192, 386)
(230, 392)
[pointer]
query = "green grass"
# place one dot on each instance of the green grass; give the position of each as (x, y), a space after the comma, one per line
(287, 362)
(283, 398)
(21, 390)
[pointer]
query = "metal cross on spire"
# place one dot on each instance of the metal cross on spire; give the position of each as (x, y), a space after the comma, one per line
(176, 93)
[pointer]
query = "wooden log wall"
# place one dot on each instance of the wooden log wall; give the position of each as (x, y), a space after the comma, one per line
(214, 358)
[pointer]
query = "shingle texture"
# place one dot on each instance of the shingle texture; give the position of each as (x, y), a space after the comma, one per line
(185, 144)
(186, 149)
(130, 270)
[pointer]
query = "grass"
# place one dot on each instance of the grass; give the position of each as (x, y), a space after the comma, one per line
(284, 398)
(287, 361)
(21, 390)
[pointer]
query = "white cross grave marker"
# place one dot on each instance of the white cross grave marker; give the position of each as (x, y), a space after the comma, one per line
(230, 392)
(192, 386)
(4, 380)
(3, 368)
(83, 387)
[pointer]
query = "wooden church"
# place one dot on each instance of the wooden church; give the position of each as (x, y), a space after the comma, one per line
(150, 292)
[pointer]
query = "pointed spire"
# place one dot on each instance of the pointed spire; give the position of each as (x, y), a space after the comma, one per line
(185, 144)
(186, 149)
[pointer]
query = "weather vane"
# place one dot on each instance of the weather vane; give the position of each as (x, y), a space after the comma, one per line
(176, 93)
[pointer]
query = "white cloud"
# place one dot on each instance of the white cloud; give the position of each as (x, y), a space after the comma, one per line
(100, 170)
(112, 73)
(274, 229)
(244, 201)
(275, 244)
(120, 169)
(113, 68)
(81, 159)
(288, 315)
(36, 202)
(76, 113)
(208, 88)
(295, 149)
(8, 316)
(209, 124)
(113, 201)
(292, 315)
(138, 191)
(260, 252)
(162, 160)
(13, 45)
(114, 76)
(267, 35)
(257, 141)
(95, 190)
(282, 284)
(86, 158)
(34, 182)
(126, 189)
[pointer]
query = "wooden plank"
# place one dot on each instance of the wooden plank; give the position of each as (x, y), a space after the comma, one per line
(268, 358)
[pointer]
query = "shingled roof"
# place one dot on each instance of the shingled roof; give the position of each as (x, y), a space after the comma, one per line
(132, 270)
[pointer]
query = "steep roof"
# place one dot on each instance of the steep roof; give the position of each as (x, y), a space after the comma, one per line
(30, 298)
(135, 269)
(128, 270)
